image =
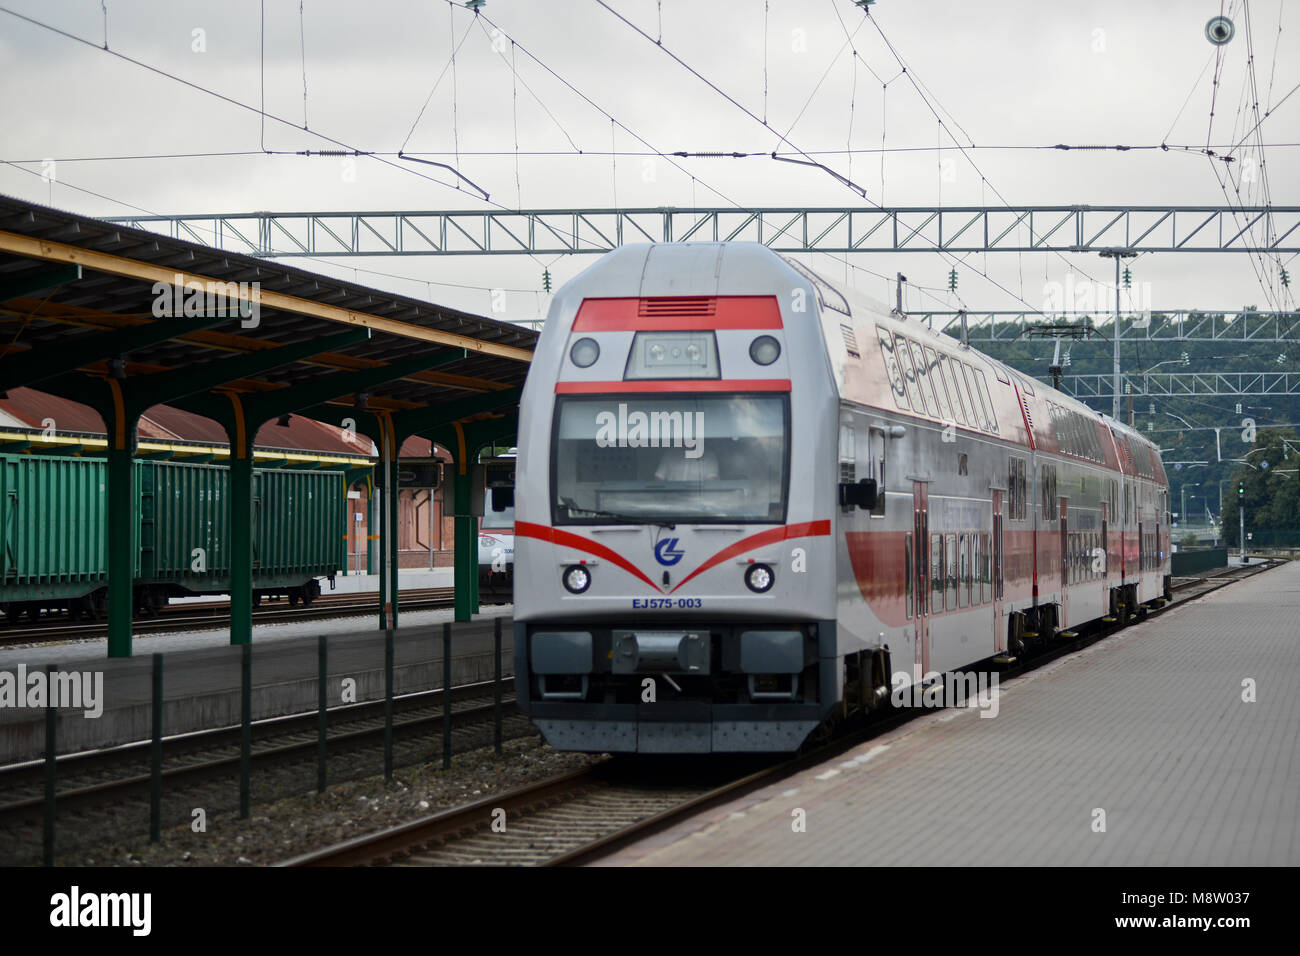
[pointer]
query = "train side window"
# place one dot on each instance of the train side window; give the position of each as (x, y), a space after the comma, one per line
(907, 573)
(951, 547)
(937, 383)
(892, 370)
(983, 567)
(963, 571)
(1017, 490)
(1048, 487)
(848, 455)
(936, 573)
(909, 375)
(982, 383)
(966, 382)
(954, 395)
(923, 380)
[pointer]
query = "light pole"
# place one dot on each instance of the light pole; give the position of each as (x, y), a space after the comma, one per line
(1117, 255)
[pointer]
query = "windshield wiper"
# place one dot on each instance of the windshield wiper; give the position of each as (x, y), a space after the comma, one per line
(625, 519)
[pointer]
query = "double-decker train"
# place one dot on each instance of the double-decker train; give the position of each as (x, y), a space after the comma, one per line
(750, 503)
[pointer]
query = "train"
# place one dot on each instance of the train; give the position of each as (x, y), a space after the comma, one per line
(496, 539)
(53, 549)
(752, 504)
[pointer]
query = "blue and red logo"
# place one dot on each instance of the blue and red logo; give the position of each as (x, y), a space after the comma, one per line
(667, 553)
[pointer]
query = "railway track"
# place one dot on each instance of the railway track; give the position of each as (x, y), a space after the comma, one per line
(194, 617)
(202, 769)
(578, 817)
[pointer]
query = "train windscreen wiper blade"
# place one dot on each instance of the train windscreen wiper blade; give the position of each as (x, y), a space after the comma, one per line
(625, 519)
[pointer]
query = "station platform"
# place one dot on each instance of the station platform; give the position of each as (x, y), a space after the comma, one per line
(202, 684)
(410, 579)
(1148, 726)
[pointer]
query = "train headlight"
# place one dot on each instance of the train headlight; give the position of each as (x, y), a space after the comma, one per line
(759, 578)
(764, 350)
(584, 353)
(487, 541)
(576, 579)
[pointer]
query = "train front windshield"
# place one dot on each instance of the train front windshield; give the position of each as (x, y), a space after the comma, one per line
(498, 516)
(711, 458)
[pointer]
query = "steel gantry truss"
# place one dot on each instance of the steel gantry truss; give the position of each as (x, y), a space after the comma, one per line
(1175, 384)
(1170, 325)
(785, 229)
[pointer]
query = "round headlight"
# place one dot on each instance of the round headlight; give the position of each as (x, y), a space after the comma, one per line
(584, 353)
(759, 578)
(576, 579)
(764, 350)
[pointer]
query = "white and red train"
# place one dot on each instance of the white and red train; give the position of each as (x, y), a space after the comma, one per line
(746, 506)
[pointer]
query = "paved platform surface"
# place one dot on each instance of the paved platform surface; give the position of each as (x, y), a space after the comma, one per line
(201, 685)
(1148, 726)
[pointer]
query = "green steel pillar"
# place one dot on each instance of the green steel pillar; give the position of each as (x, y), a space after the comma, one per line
(372, 519)
(385, 479)
(241, 433)
(123, 515)
(466, 558)
(390, 502)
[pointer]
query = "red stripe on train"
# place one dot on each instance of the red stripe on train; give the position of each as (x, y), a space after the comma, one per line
(675, 385)
(526, 529)
(678, 313)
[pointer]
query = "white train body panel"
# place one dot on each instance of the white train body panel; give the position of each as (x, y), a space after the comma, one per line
(667, 648)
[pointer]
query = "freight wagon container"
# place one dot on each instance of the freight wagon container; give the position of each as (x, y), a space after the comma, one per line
(298, 529)
(52, 534)
(53, 549)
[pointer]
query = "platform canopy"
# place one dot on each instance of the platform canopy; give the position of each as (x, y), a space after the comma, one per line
(123, 320)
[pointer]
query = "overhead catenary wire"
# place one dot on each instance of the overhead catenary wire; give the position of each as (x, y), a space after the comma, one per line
(232, 101)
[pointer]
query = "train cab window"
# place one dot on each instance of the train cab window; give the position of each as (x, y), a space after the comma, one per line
(951, 547)
(907, 573)
(670, 456)
(892, 370)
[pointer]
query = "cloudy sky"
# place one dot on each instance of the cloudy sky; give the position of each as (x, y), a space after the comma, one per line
(562, 104)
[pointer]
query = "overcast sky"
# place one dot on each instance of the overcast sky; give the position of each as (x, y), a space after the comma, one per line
(1007, 72)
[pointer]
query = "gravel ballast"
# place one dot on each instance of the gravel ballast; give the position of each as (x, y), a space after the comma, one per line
(290, 827)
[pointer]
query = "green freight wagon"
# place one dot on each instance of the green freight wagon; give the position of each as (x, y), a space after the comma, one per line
(52, 548)
(53, 535)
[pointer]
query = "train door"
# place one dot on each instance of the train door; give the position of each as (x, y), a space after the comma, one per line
(922, 576)
(1140, 572)
(999, 621)
(1066, 564)
(1105, 559)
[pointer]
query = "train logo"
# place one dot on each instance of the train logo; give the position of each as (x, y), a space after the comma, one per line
(667, 553)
